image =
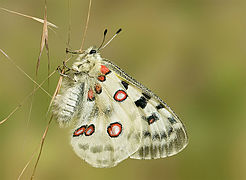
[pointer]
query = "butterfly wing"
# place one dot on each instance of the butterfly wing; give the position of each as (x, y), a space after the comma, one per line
(108, 126)
(163, 134)
(116, 117)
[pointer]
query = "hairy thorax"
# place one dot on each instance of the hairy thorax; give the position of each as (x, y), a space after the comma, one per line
(87, 64)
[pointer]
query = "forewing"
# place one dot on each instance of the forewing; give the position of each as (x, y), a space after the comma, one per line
(109, 126)
(163, 134)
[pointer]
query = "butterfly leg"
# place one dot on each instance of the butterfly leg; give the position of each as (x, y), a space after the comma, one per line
(64, 73)
(68, 68)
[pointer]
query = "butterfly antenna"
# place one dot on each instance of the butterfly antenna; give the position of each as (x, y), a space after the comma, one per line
(86, 26)
(104, 35)
(112, 38)
(70, 24)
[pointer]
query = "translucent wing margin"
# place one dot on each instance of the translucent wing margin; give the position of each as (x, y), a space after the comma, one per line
(163, 134)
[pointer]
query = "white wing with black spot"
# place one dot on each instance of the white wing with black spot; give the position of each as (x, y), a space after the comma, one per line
(163, 134)
(113, 116)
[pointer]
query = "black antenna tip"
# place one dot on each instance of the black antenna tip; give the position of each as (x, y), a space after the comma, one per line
(118, 31)
(105, 32)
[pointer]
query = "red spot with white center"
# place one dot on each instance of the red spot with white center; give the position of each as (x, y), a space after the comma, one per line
(91, 96)
(114, 129)
(120, 95)
(79, 131)
(101, 78)
(104, 70)
(90, 130)
(98, 88)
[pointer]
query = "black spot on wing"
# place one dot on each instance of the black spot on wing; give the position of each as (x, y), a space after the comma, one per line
(151, 119)
(172, 120)
(141, 102)
(146, 96)
(125, 84)
(160, 106)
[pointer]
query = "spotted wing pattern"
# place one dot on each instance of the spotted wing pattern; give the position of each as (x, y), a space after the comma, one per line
(107, 130)
(115, 117)
(163, 134)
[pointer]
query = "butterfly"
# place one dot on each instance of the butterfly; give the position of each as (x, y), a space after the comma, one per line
(113, 116)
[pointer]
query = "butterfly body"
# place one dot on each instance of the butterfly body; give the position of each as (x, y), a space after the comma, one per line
(114, 117)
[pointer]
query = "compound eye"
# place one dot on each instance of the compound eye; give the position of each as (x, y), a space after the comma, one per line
(93, 51)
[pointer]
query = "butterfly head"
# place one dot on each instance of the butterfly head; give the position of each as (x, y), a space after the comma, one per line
(87, 60)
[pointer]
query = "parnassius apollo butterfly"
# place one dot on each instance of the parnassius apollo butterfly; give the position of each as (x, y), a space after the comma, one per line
(113, 116)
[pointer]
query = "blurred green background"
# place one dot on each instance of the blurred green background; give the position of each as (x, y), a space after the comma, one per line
(190, 53)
